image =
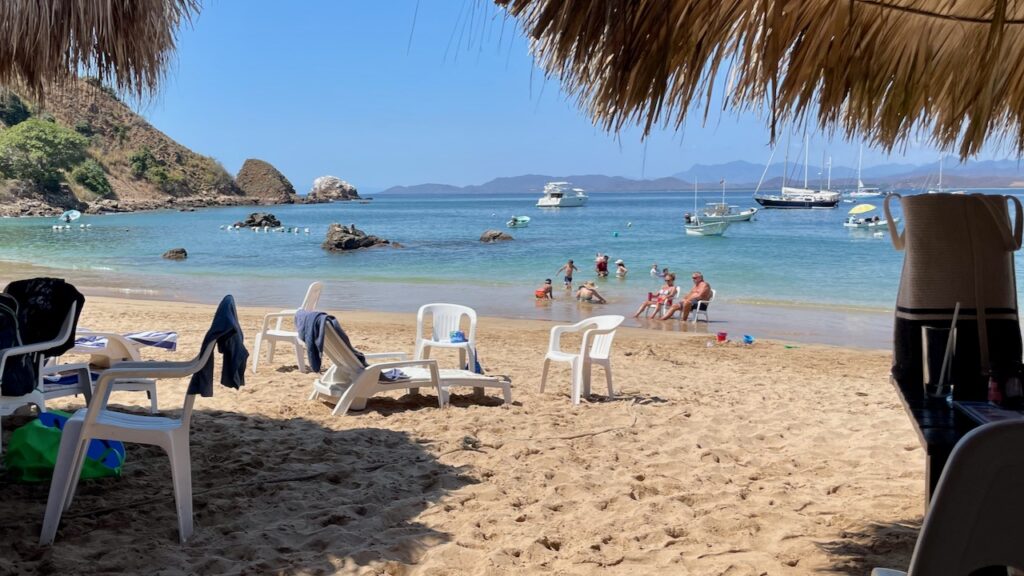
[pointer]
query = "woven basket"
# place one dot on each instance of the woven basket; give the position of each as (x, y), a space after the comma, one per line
(959, 248)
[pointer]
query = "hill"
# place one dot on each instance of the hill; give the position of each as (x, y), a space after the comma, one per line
(116, 160)
(536, 182)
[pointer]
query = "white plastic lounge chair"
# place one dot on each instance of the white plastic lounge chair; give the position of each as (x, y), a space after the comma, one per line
(352, 383)
(445, 319)
(975, 515)
(274, 334)
(38, 396)
(98, 421)
(701, 307)
(598, 333)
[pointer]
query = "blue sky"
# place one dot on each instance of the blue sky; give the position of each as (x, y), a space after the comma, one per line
(393, 92)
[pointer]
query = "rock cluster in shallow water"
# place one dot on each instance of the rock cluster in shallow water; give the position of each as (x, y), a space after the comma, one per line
(344, 238)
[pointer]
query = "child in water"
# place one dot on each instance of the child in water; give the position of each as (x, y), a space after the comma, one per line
(568, 269)
(544, 292)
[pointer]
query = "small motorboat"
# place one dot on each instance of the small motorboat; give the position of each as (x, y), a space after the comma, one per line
(518, 222)
(721, 212)
(70, 216)
(857, 218)
(695, 227)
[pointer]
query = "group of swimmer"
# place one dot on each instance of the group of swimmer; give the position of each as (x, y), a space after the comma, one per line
(667, 297)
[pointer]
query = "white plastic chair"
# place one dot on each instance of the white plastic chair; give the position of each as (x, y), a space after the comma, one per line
(598, 333)
(275, 334)
(445, 319)
(701, 307)
(353, 384)
(975, 516)
(39, 395)
(97, 421)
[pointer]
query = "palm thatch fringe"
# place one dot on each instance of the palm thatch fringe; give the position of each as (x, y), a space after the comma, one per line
(126, 43)
(881, 70)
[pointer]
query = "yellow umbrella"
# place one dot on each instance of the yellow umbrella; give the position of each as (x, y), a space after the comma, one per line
(861, 209)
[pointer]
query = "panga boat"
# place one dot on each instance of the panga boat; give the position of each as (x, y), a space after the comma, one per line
(557, 195)
(865, 222)
(518, 222)
(721, 212)
(695, 227)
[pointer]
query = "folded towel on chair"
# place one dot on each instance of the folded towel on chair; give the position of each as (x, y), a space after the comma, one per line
(155, 338)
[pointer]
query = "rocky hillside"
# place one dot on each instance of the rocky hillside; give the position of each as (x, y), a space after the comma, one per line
(97, 155)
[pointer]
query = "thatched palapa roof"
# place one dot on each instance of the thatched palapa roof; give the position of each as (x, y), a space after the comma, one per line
(127, 43)
(874, 69)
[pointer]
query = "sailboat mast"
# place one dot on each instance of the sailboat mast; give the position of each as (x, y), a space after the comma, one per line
(723, 191)
(805, 161)
(829, 185)
(860, 160)
(695, 197)
(940, 173)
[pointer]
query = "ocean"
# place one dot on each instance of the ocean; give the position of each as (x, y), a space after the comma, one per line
(801, 263)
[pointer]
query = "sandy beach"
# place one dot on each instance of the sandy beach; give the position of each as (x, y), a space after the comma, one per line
(768, 459)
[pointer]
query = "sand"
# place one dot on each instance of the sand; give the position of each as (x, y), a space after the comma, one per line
(723, 460)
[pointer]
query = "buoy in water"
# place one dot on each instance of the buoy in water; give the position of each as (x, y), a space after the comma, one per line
(629, 224)
(615, 234)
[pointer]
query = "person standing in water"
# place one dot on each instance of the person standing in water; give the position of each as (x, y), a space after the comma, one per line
(568, 269)
(620, 269)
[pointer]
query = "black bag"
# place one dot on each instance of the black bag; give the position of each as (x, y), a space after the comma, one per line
(19, 375)
(42, 306)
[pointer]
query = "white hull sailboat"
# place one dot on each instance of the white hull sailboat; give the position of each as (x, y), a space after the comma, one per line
(556, 196)
(938, 189)
(863, 191)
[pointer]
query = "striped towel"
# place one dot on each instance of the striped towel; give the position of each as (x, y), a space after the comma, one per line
(64, 379)
(157, 339)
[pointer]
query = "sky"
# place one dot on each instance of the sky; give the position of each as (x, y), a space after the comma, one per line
(402, 92)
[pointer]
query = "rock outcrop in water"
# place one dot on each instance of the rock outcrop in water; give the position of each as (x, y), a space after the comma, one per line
(342, 239)
(259, 180)
(259, 220)
(176, 254)
(495, 236)
(329, 188)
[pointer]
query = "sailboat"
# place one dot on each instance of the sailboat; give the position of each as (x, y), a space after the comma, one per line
(805, 197)
(722, 212)
(695, 227)
(938, 189)
(863, 191)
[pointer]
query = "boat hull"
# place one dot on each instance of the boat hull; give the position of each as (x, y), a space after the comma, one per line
(565, 202)
(796, 202)
(706, 229)
(744, 216)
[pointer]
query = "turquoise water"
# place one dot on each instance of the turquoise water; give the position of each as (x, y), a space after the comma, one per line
(799, 256)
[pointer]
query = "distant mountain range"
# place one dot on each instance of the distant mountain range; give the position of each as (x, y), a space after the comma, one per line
(745, 175)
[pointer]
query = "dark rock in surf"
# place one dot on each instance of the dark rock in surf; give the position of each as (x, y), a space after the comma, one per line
(495, 236)
(344, 238)
(176, 254)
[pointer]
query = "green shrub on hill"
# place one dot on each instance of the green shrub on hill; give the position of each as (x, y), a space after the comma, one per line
(91, 175)
(38, 150)
(142, 161)
(84, 128)
(12, 109)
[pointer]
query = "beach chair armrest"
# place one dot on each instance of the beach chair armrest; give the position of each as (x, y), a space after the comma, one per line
(377, 355)
(279, 316)
(22, 350)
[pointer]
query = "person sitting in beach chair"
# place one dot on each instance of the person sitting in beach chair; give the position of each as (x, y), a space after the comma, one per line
(660, 299)
(701, 291)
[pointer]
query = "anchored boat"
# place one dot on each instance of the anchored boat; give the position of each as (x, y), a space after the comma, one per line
(518, 222)
(557, 195)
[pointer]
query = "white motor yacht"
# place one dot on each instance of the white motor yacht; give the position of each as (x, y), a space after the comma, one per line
(558, 195)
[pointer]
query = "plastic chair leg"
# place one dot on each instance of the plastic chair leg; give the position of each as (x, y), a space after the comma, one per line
(153, 408)
(577, 381)
(588, 368)
(256, 352)
(270, 351)
(544, 373)
(60, 485)
(299, 349)
(608, 377)
(181, 475)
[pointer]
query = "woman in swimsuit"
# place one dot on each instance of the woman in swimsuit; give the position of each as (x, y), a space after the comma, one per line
(544, 292)
(666, 293)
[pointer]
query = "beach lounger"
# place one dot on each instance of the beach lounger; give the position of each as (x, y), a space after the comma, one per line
(272, 330)
(598, 333)
(352, 382)
(170, 434)
(975, 516)
(444, 320)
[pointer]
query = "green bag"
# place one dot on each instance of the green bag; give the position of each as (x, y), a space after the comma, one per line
(32, 451)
